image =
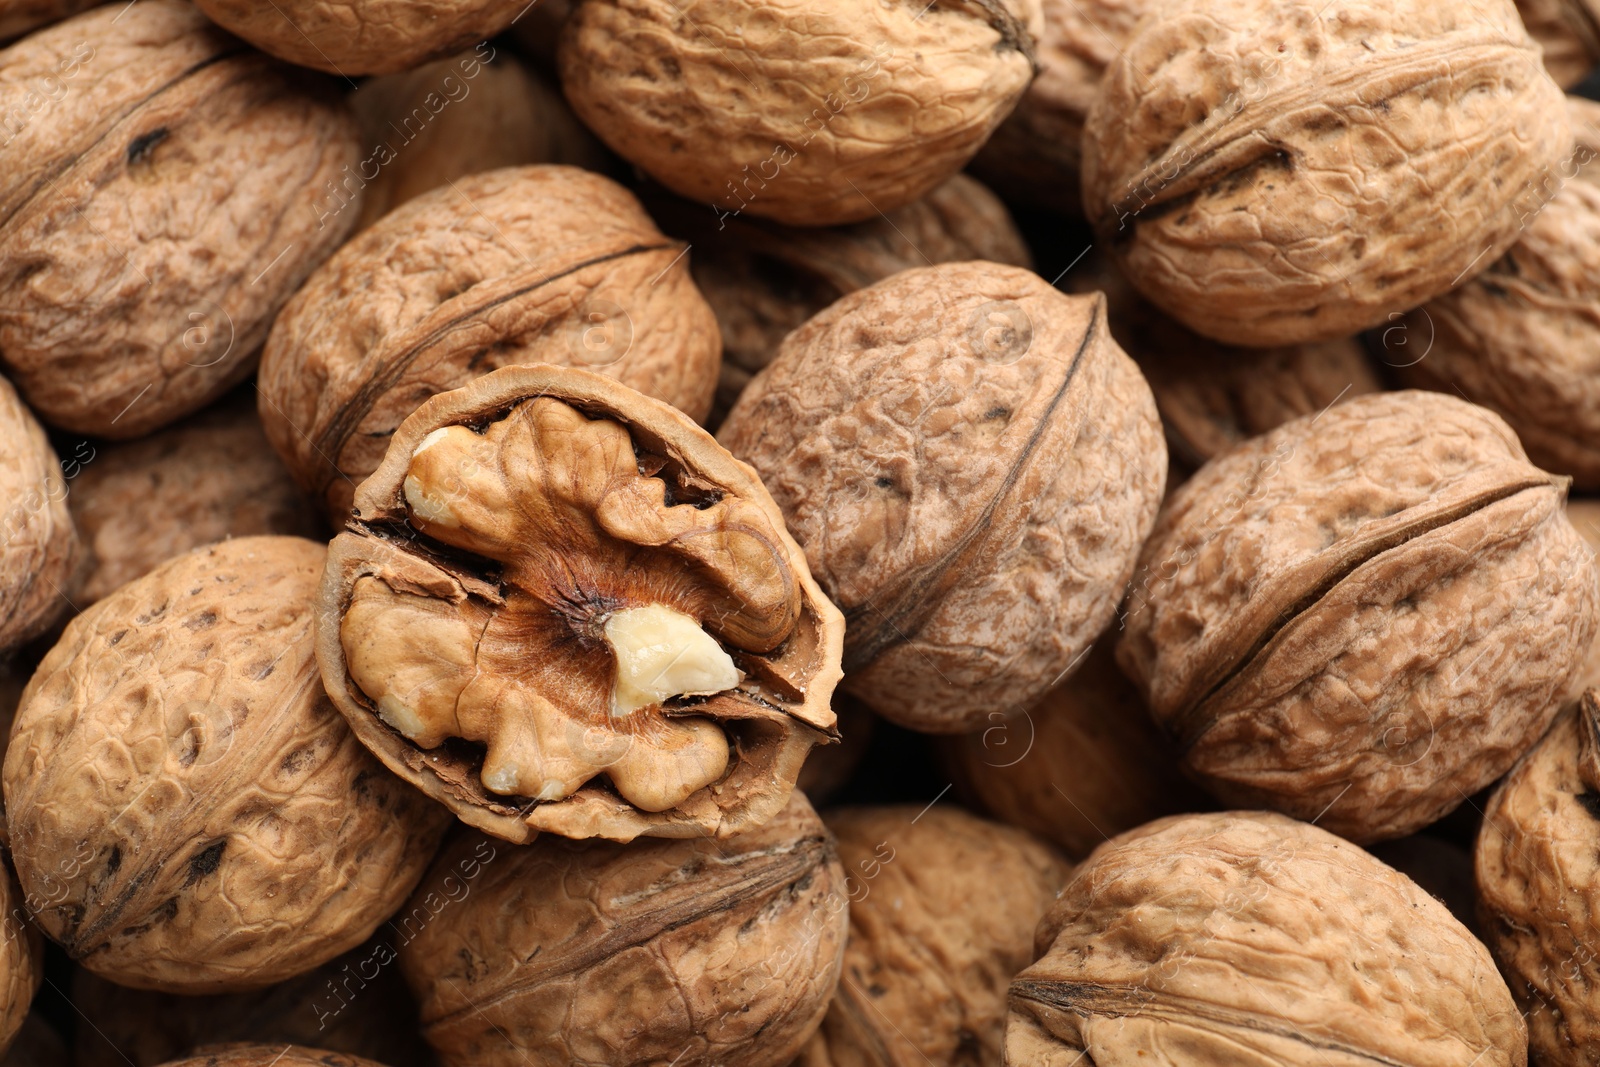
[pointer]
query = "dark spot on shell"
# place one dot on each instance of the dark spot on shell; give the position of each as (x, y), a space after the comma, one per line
(297, 761)
(113, 861)
(205, 862)
(1590, 801)
(999, 411)
(203, 621)
(115, 638)
(140, 147)
(260, 671)
(884, 482)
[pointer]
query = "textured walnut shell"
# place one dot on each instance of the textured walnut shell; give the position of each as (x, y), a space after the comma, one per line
(971, 463)
(812, 114)
(40, 553)
(187, 811)
(543, 264)
(210, 477)
(1249, 938)
(1363, 616)
(1270, 175)
(156, 215)
(21, 959)
(698, 953)
(247, 1055)
(942, 911)
(707, 543)
(1569, 33)
(18, 17)
(1442, 868)
(1585, 518)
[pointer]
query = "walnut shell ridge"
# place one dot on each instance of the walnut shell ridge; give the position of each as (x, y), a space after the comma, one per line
(41, 554)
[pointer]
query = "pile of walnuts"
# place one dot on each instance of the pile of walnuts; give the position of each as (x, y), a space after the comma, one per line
(800, 533)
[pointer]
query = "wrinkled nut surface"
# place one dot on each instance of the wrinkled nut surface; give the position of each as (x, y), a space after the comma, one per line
(971, 463)
(942, 911)
(542, 264)
(811, 113)
(40, 551)
(1585, 518)
(21, 960)
(1249, 938)
(187, 811)
(561, 606)
(1568, 31)
(1270, 174)
(1442, 868)
(697, 953)
(247, 1055)
(1363, 616)
(23, 16)
(156, 213)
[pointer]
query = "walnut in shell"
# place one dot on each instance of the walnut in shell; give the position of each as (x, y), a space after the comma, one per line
(21, 959)
(1249, 938)
(813, 114)
(41, 552)
(698, 953)
(159, 204)
(561, 606)
(188, 812)
(247, 1055)
(1363, 616)
(18, 17)
(541, 264)
(1443, 868)
(971, 463)
(1585, 518)
(1271, 172)
(1569, 33)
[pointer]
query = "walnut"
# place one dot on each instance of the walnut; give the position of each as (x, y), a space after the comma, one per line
(696, 953)
(1585, 518)
(560, 606)
(209, 477)
(247, 1055)
(542, 264)
(1247, 937)
(942, 911)
(41, 552)
(21, 959)
(18, 17)
(971, 463)
(1569, 33)
(811, 114)
(187, 811)
(1083, 762)
(1270, 174)
(1363, 616)
(163, 197)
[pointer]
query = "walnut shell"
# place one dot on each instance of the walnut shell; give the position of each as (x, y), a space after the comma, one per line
(21, 959)
(695, 952)
(813, 114)
(1363, 616)
(187, 811)
(158, 212)
(1569, 33)
(1270, 175)
(543, 264)
(1442, 868)
(544, 508)
(210, 477)
(942, 911)
(1248, 938)
(246, 1055)
(1585, 518)
(41, 551)
(971, 463)
(18, 17)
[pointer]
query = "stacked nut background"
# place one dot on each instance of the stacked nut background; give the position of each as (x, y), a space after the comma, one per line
(842, 533)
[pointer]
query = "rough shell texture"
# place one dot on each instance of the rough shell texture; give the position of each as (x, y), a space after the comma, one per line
(942, 911)
(1523, 337)
(1364, 616)
(811, 112)
(1441, 867)
(246, 1055)
(18, 17)
(210, 477)
(1083, 762)
(1569, 33)
(361, 36)
(971, 463)
(1246, 938)
(40, 552)
(1270, 174)
(21, 956)
(697, 953)
(160, 201)
(1585, 518)
(547, 502)
(223, 829)
(543, 264)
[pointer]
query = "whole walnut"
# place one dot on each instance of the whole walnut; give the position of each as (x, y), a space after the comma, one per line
(41, 554)
(21, 959)
(813, 114)
(1271, 172)
(188, 813)
(1523, 337)
(696, 952)
(561, 606)
(1569, 33)
(541, 264)
(1249, 938)
(970, 463)
(209, 477)
(18, 17)
(1585, 518)
(163, 198)
(247, 1055)
(1363, 616)
(942, 910)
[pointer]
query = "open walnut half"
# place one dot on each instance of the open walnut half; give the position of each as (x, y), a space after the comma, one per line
(562, 606)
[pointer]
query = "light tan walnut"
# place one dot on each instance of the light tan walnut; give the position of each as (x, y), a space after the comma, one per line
(1585, 518)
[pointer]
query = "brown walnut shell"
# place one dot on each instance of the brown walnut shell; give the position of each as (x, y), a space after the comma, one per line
(1246, 938)
(246, 1055)
(813, 114)
(187, 811)
(41, 551)
(1363, 616)
(158, 206)
(18, 17)
(1270, 174)
(1442, 868)
(1585, 518)
(542, 264)
(697, 953)
(468, 611)
(1569, 33)
(21, 959)
(971, 463)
